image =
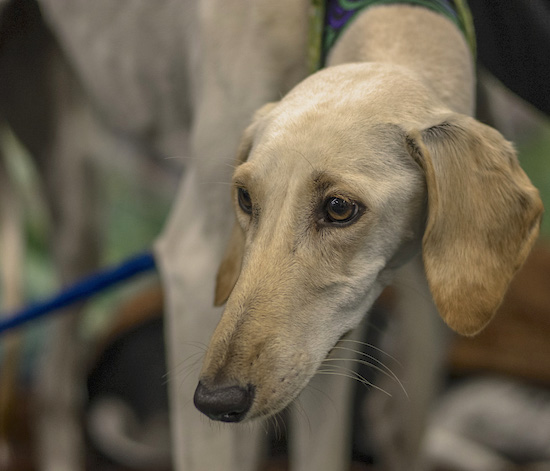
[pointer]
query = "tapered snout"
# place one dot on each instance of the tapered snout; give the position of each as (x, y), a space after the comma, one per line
(226, 404)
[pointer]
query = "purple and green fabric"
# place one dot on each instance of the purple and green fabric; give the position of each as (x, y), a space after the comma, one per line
(330, 18)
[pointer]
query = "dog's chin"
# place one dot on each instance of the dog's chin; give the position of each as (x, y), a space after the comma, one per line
(273, 409)
(277, 402)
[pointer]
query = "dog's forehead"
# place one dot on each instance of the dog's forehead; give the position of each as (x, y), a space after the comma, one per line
(315, 137)
(381, 92)
(317, 128)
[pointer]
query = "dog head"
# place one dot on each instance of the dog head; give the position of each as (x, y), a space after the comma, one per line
(339, 184)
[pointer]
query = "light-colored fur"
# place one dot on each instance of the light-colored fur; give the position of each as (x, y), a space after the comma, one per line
(386, 132)
(384, 125)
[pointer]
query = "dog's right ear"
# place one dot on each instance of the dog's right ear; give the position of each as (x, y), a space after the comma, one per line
(230, 267)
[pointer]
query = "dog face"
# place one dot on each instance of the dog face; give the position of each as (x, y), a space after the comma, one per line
(339, 184)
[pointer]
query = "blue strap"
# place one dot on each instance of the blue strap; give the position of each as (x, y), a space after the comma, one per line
(81, 290)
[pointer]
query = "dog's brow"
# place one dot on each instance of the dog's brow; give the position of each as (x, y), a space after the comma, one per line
(241, 175)
(323, 180)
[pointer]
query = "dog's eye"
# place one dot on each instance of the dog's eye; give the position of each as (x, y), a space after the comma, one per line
(245, 202)
(340, 211)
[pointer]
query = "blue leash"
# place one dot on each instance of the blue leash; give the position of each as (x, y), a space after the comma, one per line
(81, 290)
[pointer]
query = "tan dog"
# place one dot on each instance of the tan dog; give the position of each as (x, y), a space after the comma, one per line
(338, 185)
(339, 180)
(314, 246)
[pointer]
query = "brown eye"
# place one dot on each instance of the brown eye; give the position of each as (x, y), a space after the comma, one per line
(245, 202)
(340, 211)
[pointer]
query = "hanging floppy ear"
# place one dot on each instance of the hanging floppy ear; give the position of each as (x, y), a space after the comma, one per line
(483, 218)
(230, 267)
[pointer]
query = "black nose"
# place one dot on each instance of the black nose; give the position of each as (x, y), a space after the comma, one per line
(227, 404)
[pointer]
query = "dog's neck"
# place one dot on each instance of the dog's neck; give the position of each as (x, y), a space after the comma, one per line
(426, 43)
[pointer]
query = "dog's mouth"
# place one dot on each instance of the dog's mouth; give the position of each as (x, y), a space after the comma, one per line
(232, 402)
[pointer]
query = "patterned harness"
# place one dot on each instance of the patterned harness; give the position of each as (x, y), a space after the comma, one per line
(329, 18)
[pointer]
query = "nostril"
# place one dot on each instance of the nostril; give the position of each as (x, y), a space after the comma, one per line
(227, 404)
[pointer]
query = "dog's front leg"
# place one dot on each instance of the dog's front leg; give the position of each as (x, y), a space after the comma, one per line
(189, 258)
(321, 433)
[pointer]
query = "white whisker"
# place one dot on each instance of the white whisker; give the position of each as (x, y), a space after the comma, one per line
(216, 183)
(383, 369)
(233, 166)
(369, 345)
(331, 369)
(299, 407)
(278, 429)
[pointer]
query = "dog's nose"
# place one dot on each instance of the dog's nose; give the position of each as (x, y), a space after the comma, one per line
(226, 404)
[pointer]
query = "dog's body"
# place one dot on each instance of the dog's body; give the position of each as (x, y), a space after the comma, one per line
(385, 138)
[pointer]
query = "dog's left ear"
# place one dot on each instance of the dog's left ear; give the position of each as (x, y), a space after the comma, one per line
(483, 218)
(230, 266)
